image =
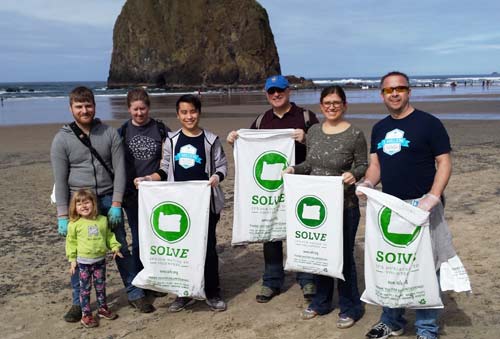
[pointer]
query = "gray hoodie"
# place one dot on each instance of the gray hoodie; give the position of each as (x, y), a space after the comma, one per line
(74, 167)
(216, 162)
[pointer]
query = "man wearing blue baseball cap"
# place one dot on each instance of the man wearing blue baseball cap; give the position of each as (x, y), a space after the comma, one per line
(283, 114)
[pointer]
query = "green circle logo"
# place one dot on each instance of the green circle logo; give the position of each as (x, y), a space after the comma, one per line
(170, 221)
(310, 211)
(394, 234)
(267, 170)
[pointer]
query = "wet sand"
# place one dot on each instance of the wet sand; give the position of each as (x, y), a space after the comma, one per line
(34, 279)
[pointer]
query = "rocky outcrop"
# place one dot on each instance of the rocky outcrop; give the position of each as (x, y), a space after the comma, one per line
(189, 43)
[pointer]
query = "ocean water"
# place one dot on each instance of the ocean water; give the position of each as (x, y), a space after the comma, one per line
(35, 103)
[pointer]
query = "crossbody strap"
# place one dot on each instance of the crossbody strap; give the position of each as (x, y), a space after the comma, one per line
(86, 141)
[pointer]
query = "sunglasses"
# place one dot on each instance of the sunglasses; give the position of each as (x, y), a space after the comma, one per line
(398, 89)
(273, 90)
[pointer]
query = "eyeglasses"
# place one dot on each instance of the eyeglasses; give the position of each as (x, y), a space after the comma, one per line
(273, 90)
(398, 89)
(335, 104)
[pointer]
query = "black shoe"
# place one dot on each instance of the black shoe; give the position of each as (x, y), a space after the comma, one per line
(155, 294)
(74, 314)
(266, 294)
(142, 305)
(383, 331)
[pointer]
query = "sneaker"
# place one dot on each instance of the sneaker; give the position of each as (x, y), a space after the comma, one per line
(266, 294)
(106, 314)
(216, 304)
(383, 331)
(421, 337)
(74, 314)
(89, 321)
(309, 290)
(344, 321)
(180, 303)
(142, 305)
(308, 313)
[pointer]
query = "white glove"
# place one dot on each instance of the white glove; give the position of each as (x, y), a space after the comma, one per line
(428, 202)
(364, 183)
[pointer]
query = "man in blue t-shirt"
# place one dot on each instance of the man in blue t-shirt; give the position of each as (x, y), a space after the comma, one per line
(410, 156)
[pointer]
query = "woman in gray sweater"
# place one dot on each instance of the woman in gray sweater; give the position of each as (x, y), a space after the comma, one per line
(335, 147)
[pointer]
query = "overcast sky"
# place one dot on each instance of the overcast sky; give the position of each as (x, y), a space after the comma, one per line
(64, 40)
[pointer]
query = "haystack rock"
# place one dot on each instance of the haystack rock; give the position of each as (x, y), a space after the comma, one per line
(189, 43)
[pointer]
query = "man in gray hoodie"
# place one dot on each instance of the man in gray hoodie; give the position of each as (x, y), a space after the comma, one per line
(75, 167)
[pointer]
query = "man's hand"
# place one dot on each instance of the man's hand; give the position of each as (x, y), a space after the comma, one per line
(114, 216)
(213, 181)
(231, 137)
(62, 225)
(299, 135)
(428, 202)
(364, 183)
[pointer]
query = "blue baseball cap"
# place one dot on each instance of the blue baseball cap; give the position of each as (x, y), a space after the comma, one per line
(278, 81)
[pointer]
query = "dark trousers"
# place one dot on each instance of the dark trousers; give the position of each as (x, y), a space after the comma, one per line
(349, 299)
(212, 259)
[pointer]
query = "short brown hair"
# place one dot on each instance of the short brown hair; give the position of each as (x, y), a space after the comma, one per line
(79, 196)
(81, 94)
(393, 73)
(138, 94)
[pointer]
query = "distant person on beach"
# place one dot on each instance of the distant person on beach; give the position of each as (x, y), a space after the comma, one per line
(283, 114)
(143, 139)
(88, 240)
(410, 156)
(211, 164)
(336, 147)
(89, 154)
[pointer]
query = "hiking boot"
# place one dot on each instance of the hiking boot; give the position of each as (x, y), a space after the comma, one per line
(106, 314)
(308, 313)
(309, 291)
(89, 321)
(266, 294)
(180, 303)
(383, 331)
(344, 321)
(74, 314)
(142, 305)
(216, 304)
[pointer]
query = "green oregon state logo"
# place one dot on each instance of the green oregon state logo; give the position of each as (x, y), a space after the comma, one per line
(170, 221)
(267, 170)
(310, 211)
(391, 234)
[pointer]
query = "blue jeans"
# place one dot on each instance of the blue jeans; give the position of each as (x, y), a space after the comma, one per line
(274, 274)
(132, 211)
(349, 300)
(125, 265)
(425, 323)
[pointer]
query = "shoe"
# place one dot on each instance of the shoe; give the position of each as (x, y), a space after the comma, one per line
(421, 337)
(309, 291)
(308, 313)
(383, 331)
(89, 321)
(74, 314)
(142, 305)
(106, 314)
(180, 303)
(344, 321)
(155, 294)
(216, 304)
(266, 294)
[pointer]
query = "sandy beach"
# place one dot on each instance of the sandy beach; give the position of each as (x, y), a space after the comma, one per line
(34, 279)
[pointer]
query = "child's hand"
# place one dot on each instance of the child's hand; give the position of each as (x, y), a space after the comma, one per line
(117, 253)
(72, 268)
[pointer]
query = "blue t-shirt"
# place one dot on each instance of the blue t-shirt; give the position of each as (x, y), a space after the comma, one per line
(406, 149)
(189, 158)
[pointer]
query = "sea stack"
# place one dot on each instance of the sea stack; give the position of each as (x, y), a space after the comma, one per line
(192, 43)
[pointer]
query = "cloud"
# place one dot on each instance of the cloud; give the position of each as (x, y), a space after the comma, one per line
(88, 12)
(470, 43)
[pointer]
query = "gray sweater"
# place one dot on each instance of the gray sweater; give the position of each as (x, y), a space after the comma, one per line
(334, 154)
(74, 167)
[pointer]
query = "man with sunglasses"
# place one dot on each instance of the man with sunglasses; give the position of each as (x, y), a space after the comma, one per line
(410, 155)
(283, 114)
